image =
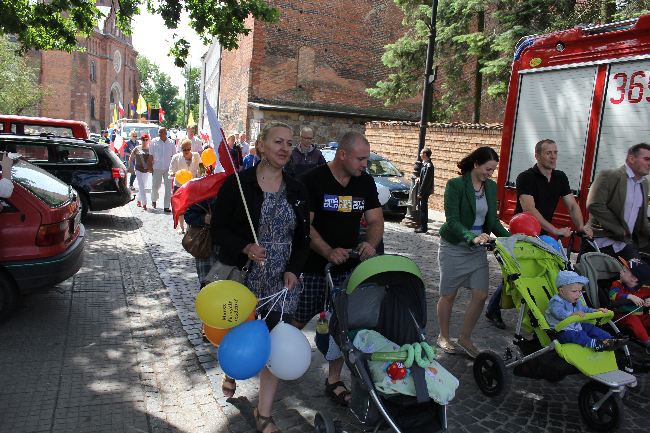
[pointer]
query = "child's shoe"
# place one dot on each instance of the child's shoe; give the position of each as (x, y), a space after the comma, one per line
(610, 344)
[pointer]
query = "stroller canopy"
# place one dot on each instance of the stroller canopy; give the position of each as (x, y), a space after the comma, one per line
(381, 264)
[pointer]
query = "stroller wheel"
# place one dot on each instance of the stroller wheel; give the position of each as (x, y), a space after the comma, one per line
(608, 417)
(324, 423)
(490, 373)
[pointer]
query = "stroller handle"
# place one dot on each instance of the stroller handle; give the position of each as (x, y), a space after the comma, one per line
(353, 255)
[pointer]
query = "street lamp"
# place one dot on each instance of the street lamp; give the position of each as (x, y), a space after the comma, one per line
(412, 216)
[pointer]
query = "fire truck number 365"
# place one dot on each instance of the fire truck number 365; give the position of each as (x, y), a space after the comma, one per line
(633, 91)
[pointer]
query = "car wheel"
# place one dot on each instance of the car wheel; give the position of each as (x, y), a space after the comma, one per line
(8, 297)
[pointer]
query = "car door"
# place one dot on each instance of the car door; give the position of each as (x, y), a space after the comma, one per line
(78, 166)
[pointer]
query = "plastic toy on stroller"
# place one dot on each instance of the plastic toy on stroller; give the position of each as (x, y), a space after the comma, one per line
(529, 267)
(602, 270)
(385, 296)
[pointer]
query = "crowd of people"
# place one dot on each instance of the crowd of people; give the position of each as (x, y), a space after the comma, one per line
(305, 213)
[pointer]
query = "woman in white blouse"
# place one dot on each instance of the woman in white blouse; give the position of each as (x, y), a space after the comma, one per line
(184, 160)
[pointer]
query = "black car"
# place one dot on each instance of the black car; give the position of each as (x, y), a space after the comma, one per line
(97, 173)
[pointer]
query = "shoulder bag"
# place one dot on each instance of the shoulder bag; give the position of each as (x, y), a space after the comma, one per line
(198, 240)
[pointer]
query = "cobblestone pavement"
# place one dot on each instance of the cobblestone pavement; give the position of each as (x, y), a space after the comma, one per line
(117, 348)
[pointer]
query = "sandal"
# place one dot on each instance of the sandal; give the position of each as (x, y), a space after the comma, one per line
(342, 398)
(228, 386)
(445, 346)
(262, 422)
(468, 348)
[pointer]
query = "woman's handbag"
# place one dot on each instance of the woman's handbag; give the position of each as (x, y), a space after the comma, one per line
(220, 271)
(198, 241)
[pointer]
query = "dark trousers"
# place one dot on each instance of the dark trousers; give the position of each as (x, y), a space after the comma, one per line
(423, 205)
(494, 306)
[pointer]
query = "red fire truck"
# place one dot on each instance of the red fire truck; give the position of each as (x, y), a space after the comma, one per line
(588, 89)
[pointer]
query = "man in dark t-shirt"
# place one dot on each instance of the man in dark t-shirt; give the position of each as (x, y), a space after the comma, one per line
(539, 189)
(340, 193)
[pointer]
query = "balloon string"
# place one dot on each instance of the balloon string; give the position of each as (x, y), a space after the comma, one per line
(284, 299)
(633, 311)
(243, 198)
(268, 299)
(280, 293)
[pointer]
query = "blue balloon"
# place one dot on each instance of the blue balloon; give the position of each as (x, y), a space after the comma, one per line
(245, 350)
(552, 242)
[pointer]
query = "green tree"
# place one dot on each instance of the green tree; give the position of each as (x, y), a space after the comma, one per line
(20, 92)
(463, 40)
(55, 25)
(193, 87)
(157, 89)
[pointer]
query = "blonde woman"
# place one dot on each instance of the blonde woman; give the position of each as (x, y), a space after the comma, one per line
(184, 160)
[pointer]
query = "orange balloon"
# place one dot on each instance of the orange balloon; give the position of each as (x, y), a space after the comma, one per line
(208, 157)
(215, 335)
(183, 175)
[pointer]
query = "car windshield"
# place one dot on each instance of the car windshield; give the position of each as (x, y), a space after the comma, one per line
(382, 167)
(43, 185)
(152, 130)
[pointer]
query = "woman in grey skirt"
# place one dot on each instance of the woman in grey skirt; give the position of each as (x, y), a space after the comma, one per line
(471, 215)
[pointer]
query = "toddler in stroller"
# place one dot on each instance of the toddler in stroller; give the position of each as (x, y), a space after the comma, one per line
(530, 269)
(630, 300)
(567, 303)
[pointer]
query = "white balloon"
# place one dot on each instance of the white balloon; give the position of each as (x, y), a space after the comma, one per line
(383, 194)
(290, 352)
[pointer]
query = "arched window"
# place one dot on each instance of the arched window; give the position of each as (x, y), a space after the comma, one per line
(93, 71)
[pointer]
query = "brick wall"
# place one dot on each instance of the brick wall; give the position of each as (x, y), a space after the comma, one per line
(235, 81)
(449, 143)
(326, 52)
(326, 128)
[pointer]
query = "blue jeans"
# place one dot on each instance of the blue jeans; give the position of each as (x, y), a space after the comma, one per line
(586, 337)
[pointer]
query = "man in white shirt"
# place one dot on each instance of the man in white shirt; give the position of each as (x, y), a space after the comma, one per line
(618, 203)
(245, 147)
(197, 144)
(162, 149)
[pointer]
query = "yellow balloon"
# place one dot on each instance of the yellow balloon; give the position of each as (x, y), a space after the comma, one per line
(224, 304)
(183, 176)
(208, 157)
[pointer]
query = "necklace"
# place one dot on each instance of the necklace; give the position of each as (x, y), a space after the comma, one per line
(479, 193)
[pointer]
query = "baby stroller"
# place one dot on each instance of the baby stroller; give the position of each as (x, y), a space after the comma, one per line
(602, 270)
(385, 294)
(529, 267)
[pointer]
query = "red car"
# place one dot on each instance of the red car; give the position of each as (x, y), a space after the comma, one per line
(41, 236)
(24, 125)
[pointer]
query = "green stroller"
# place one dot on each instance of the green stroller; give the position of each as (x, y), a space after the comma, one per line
(529, 267)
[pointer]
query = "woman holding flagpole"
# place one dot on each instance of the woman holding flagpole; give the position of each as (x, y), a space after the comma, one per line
(261, 216)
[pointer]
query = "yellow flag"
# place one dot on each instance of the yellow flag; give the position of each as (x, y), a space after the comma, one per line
(142, 105)
(115, 114)
(190, 120)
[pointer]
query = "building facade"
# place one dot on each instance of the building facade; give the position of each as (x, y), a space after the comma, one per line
(88, 85)
(312, 68)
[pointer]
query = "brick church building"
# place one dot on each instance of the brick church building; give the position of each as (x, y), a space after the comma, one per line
(311, 68)
(87, 85)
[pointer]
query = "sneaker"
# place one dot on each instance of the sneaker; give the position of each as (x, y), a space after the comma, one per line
(610, 344)
(496, 320)
(420, 231)
(167, 210)
(144, 207)
(139, 204)
(153, 204)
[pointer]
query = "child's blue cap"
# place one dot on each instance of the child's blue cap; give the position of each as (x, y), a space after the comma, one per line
(569, 277)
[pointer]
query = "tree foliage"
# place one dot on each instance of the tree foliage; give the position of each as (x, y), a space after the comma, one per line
(158, 90)
(55, 25)
(193, 87)
(20, 92)
(460, 42)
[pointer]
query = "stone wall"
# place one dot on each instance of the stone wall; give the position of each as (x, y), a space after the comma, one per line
(449, 143)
